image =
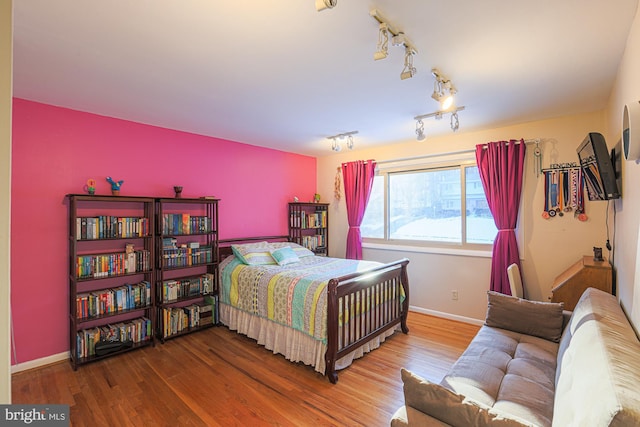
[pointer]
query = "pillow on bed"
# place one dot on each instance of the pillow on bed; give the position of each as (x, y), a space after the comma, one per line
(301, 251)
(254, 253)
(284, 255)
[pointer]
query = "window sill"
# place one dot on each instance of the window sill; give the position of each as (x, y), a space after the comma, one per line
(428, 250)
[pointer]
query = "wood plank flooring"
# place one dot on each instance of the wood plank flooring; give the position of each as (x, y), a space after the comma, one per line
(216, 377)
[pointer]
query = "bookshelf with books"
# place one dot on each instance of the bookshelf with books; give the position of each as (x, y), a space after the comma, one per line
(111, 271)
(186, 265)
(309, 226)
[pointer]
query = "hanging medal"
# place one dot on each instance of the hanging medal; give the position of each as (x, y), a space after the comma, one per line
(547, 179)
(553, 193)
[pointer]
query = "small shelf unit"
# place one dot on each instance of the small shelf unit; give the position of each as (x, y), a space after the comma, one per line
(309, 226)
(186, 265)
(111, 274)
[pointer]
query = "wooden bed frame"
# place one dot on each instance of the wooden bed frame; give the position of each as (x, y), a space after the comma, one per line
(381, 283)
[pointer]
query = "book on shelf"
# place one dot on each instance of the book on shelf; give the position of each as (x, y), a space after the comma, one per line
(184, 223)
(179, 319)
(112, 264)
(184, 256)
(175, 289)
(136, 330)
(301, 219)
(113, 300)
(111, 227)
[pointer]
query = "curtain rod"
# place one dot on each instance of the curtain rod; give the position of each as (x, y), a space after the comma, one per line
(427, 156)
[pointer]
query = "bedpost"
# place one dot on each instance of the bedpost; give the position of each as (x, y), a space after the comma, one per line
(332, 331)
(405, 304)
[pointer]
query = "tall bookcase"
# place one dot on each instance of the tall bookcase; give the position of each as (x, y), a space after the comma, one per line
(186, 265)
(111, 273)
(309, 226)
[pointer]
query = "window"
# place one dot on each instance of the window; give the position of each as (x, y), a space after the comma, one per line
(442, 205)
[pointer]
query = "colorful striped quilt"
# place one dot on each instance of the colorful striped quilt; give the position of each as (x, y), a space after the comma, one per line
(294, 295)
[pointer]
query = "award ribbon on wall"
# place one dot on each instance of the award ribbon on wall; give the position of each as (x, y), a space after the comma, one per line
(563, 193)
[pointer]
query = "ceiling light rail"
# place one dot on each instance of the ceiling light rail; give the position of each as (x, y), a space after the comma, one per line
(335, 144)
(455, 122)
(399, 37)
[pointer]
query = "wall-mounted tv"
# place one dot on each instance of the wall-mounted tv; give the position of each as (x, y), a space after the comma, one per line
(597, 168)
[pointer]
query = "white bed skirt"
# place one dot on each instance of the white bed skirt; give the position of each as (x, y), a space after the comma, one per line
(294, 345)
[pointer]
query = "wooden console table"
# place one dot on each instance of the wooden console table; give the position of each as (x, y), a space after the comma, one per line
(586, 273)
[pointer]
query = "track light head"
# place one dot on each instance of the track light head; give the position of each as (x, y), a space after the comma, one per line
(382, 49)
(420, 136)
(409, 70)
(325, 4)
(443, 91)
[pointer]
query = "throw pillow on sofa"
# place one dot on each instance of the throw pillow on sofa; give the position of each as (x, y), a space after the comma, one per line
(449, 407)
(540, 319)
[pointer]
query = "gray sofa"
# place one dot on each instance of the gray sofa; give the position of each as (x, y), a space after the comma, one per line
(530, 364)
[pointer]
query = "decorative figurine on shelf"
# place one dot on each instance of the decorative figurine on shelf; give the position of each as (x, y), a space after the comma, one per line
(316, 198)
(178, 190)
(597, 254)
(295, 199)
(115, 186)
(90, 187)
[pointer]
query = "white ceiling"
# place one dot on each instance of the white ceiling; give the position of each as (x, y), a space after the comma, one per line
(280, 74)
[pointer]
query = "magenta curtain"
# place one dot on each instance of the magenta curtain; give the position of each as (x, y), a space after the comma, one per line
(501, 167)
(358, 180)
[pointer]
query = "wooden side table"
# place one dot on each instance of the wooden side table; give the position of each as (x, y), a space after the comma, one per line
(586, 273)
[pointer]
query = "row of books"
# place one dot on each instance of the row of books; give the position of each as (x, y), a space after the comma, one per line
(186, 256)
(184, 223)
(137, 330)
(174, 289)
(314, 242)
(111, 227)
(179, 319)
(113, 264)
(110, 301)
(308, 220)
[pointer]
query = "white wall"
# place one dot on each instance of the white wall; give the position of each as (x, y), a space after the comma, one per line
(6, 31)
(548, 247)
(627, 90)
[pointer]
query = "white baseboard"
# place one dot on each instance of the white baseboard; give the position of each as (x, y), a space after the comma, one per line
(31, 364)
(447, 315)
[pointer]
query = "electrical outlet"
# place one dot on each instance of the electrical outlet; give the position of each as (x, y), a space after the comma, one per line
(454, 295)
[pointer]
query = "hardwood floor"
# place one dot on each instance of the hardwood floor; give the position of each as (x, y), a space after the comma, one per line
(218, 378)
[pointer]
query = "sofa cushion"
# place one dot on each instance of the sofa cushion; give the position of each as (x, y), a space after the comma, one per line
(598, 366)
(449, 407)
(499, 366)
(540, 319)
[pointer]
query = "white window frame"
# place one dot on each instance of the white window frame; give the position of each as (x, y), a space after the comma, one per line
(461, 159)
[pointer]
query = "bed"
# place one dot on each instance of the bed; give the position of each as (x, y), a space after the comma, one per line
(321, 311)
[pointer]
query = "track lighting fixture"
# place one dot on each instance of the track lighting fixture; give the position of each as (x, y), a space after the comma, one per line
(325, 4)
(455, 122)
(420, 136)
(335, 144)
(398, 39)
(382, 49)
(443, 90)
(409, 70)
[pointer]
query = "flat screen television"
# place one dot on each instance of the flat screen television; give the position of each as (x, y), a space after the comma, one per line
(598, 170)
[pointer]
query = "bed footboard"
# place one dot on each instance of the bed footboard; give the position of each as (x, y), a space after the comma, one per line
(362, 306)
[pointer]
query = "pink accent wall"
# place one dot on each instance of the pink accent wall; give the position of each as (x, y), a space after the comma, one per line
(55, 150)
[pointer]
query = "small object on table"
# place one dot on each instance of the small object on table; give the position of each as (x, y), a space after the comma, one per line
(90, 187)
(115, 186)
(597, 254)
(178, 190)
